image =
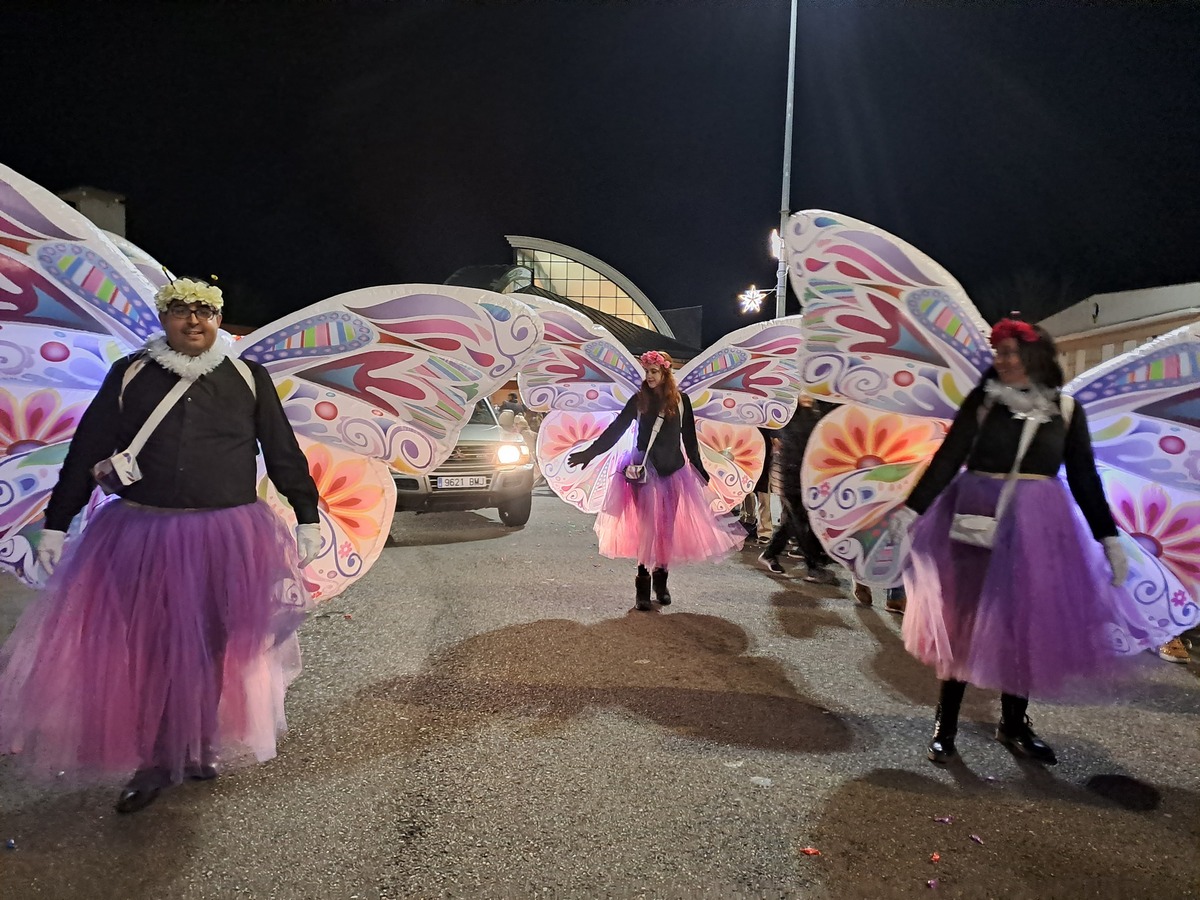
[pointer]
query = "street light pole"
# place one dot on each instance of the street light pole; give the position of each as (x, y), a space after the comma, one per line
(786, 200)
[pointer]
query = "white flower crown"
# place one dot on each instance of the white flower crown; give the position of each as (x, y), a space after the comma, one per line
(189, 291)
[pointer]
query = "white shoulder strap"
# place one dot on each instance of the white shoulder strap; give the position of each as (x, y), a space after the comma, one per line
(134, 367)
(138, 364)
(1066, 406)
(247, 375)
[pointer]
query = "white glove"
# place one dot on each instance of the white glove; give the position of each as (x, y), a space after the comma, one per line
(308, 542)
(50, 549)
(900, 522)
(1118, 561)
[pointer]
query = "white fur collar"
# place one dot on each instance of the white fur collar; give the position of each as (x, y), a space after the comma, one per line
(189, 367)
(1037, 403)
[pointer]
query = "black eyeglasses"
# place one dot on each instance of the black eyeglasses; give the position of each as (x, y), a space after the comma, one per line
(184, 311)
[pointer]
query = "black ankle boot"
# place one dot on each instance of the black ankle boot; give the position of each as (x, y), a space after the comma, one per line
(941, 745)
(659, 579)
(641, 586)
(1015, 731)
(945, 722)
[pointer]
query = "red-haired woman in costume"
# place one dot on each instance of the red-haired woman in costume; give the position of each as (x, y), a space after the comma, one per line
(664, 519)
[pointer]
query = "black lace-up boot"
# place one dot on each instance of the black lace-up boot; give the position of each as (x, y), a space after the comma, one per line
(945, 722)
(641, 585)
(661, 594)
(1016, 732)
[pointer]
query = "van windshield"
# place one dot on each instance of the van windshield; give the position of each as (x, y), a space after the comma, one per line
(482, 414)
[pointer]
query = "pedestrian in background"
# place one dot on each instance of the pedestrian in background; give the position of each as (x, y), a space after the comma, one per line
(793, 522)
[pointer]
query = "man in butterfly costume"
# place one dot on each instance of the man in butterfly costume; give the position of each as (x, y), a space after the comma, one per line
(166, 637)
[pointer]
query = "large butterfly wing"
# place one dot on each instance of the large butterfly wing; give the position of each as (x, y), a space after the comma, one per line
(393, 372)
(71, 304)
(892, 334)
(749, 379)
(884, 324)
(1162, 542)
(1143, 411)
(358, 498)
(579, 377)
(579, 365)
(153, 271)
(58, 270)
(564, 431)
(859, 466)
(751, 376)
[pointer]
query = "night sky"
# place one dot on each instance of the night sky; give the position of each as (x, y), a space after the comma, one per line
(300, 150)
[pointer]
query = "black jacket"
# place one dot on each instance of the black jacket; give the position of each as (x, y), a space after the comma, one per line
(203, 455)
(793, 438)
(991, 446)
(666, 456)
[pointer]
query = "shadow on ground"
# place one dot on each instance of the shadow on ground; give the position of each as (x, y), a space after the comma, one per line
(688, 673)
(1015, 840)
(419, 529)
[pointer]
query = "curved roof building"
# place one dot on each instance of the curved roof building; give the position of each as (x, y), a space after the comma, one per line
(586, 280)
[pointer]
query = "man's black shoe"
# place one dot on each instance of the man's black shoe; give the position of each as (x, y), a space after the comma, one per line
(134, 799)
(198, 772)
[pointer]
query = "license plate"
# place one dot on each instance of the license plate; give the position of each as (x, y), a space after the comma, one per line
(462, 481)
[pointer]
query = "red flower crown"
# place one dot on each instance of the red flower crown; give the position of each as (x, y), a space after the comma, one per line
(654, 358)
(1014, 328)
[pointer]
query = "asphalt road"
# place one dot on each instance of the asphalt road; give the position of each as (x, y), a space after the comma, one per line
(484, 715)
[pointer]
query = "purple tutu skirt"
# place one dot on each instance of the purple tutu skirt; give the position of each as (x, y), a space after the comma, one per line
(165, 639)
(664, 521)
(1035, 615)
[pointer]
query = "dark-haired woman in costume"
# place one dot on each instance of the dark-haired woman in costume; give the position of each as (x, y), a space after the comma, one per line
(1035, 613)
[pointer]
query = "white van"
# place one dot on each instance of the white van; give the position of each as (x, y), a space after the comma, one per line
(489, 468)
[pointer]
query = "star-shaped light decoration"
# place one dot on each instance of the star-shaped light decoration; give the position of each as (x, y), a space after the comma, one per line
(752, 299)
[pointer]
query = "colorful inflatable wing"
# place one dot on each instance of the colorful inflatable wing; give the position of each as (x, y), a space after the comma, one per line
(393, 372)
(580, 378)
(892, 335)
(1143, 410)
(380, 376)
(749, 379)
(859, 466)
(884, 324)
(358, 497)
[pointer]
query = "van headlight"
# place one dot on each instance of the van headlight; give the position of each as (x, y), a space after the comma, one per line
(508, 454)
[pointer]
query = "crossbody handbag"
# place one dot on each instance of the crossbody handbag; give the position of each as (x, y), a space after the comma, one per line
(121, 469)
(637, 473)
(980, 531)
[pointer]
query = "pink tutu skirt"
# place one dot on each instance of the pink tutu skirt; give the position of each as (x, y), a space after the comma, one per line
(664, 521)
(1035, 615)
(165, 639)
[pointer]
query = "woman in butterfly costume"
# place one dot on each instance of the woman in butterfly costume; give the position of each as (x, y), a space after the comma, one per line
(1059, 590)
(1028, 615)
(664, 518)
